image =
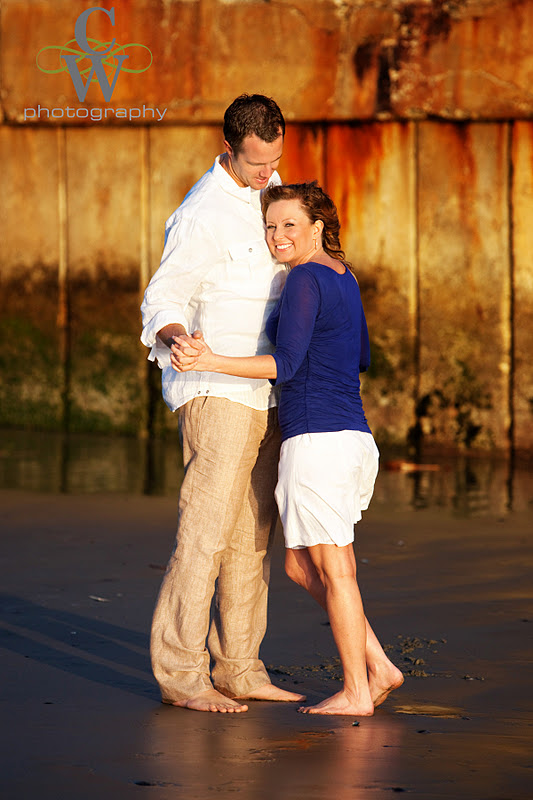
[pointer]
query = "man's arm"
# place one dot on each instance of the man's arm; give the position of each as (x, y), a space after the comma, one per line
(190, 250)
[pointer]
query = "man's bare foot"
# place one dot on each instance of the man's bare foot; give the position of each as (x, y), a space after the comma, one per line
(384, 682)
(341, 703)
(211, 700)
(271, 692)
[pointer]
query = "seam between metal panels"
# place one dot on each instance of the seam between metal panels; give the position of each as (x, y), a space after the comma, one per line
(63, 311)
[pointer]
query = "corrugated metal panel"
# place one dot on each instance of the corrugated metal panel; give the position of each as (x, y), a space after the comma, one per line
(31, 385)
(103, 175)
(464, 284)
(28, 191)
(522, 204)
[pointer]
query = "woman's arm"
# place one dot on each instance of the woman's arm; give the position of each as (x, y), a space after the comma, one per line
(298, 312)
(197, 356)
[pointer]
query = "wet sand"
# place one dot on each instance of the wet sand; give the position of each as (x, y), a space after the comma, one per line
(451, 597)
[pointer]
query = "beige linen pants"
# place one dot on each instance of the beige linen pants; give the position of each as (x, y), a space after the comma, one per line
(226, 523)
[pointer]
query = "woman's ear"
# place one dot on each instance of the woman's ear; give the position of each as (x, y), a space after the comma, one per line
(318, 227)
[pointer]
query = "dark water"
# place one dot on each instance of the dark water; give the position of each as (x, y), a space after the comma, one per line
(82, 464)
(89, 464)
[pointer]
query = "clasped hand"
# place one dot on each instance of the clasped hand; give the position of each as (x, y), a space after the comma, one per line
(187, 351)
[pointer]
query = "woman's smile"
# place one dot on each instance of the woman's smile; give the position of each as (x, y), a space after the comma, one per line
(291, 236)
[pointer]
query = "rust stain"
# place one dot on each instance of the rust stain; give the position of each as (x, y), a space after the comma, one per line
(438, 22)
(457, 144)
(383, 94)
(365, 57)
(464, 153)
(357, 148)
(374, 55)
(303, 154)
(425, 23)
(354, 155)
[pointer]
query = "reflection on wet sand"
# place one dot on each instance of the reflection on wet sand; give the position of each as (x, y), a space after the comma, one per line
(271, 752)
(428, 710)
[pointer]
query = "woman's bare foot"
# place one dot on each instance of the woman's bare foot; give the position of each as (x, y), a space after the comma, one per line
(271, 692)
(211, 700)
(341, 703)
(383, 682)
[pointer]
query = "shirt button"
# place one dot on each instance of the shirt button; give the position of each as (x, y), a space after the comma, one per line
(207, 391)
(250, 249)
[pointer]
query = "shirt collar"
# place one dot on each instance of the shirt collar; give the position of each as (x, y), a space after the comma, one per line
(245, 193)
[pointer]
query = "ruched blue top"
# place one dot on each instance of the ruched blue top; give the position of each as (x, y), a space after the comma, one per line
(321, 337)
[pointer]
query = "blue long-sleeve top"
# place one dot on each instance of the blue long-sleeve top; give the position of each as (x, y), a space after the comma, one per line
(321, 338)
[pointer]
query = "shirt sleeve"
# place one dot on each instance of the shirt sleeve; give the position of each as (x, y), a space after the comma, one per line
(189, 253)
(364, 362)
(300, 304)
(271, 326)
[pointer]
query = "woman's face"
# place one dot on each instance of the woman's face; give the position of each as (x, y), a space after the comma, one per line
(291, 237)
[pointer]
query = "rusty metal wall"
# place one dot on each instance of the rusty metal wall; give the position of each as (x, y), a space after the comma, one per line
(409, 113)
(321, 59)
(464, 281)
(521, 313)
(436, 218)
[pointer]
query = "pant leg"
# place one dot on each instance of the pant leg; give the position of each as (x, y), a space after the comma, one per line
(240, 616)
(220, 445)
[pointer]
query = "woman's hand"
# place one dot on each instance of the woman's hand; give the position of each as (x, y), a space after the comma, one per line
(189, 353)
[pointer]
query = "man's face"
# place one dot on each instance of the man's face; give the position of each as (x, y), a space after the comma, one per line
(255, 162)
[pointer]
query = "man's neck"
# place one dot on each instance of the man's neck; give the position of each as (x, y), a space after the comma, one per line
(225, 163)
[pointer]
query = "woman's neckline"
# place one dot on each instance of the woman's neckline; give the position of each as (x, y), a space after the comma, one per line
(326, 266)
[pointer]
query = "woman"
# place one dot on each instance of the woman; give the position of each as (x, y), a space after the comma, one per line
(329, 460)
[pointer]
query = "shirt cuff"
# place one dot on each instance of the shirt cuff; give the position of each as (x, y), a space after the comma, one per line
(159, 351)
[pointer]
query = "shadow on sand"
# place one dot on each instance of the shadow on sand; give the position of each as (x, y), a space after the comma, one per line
(78, 645)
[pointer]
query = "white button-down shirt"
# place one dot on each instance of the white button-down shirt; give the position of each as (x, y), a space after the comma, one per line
(216, 275)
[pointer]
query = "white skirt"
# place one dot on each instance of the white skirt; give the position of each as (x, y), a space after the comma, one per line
(325, 480)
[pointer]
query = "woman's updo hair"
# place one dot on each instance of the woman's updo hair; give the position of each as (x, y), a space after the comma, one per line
(317, 205)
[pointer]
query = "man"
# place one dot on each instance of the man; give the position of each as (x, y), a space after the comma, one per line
(217, 275)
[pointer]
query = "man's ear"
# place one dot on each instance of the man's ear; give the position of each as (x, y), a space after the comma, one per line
(228, 148)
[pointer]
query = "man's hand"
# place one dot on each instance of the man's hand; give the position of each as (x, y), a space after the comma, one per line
(167, 334)
(186, 352)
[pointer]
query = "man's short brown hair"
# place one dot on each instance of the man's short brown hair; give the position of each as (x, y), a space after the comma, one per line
(252, 114)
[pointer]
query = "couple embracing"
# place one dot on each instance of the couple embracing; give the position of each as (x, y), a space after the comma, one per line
(254, 293)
